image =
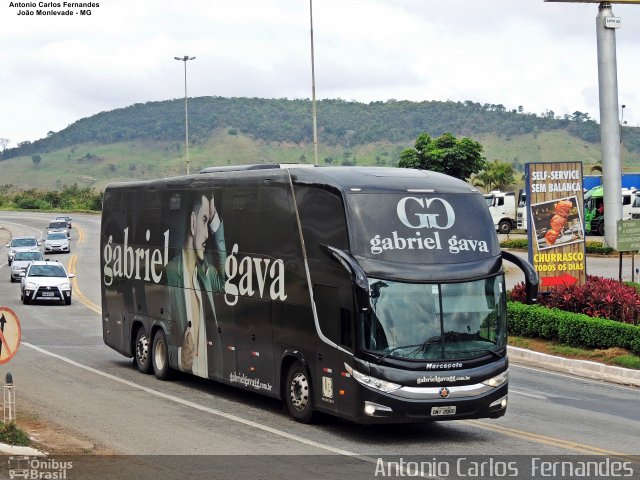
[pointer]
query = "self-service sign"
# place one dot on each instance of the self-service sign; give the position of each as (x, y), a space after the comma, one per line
(556, 225)
(9, 334)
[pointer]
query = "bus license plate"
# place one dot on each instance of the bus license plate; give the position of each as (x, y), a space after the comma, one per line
(450, 410)
(48, 294)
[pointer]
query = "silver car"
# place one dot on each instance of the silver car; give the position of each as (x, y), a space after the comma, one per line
(20, 244)
(56, 242)
(47, 281)
(21, 261)
(58, 226)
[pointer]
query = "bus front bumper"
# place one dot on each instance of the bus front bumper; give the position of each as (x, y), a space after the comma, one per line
(372, 406)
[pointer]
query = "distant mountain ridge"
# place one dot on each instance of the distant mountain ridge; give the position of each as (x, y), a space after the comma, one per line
(339, 123)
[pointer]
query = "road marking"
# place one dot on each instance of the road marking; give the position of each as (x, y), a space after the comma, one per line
(556, 442)
(518, 392)
(81, 234)
(73, 260)
(195, 405)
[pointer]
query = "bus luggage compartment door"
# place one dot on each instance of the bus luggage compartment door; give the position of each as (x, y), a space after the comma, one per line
(254, 346)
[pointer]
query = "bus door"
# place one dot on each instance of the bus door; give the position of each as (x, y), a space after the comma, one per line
(335, 316)
(254, 345)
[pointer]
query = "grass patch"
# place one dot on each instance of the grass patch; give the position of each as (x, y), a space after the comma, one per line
(628, 361)
(13, 435)
(618, 357)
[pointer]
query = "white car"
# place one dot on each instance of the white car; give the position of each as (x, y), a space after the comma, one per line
(46, 280)
(20, 244)
(21, 261)
(56, 242)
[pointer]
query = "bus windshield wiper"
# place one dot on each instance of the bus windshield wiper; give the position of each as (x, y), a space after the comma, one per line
(488, 350)
(395, 349)
(427, 343)
(494, 353)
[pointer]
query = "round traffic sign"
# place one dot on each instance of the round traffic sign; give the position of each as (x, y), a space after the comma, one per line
(9, 334)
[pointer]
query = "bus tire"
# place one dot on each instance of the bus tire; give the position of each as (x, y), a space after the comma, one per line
(160, 356)
(142, 351)
(297, 395)
(504, 226)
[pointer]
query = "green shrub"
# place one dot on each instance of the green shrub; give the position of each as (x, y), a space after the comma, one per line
(71, 198)
(573, 329)
(13, 435)
(520, 243)
(32, 203)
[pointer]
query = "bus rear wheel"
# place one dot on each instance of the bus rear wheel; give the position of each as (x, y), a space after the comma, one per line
(298, 398)
(160, 356)
(142, 355)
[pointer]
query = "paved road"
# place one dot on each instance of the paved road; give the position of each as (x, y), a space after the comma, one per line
(64, 370)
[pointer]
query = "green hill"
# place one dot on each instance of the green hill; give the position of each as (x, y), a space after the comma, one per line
(147, 140)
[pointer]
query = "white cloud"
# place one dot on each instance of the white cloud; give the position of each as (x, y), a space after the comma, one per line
(526, 52)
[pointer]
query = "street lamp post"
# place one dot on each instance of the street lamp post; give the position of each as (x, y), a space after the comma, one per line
(313, 91)
(185, 59)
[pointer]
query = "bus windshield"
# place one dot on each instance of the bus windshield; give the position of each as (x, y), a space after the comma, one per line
(436, 321)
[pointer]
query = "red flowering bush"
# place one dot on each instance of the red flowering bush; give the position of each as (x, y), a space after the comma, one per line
(598, 297)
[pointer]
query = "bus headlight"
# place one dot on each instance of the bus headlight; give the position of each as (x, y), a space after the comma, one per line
(373, 382)
(497, 380)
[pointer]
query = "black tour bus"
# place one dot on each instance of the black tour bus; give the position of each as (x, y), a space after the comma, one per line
(373, 294)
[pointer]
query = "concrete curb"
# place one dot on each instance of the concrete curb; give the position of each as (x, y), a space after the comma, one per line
(580, 368)
(20, 451)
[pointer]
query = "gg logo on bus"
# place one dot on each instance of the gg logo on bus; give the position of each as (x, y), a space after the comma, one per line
(426, 220)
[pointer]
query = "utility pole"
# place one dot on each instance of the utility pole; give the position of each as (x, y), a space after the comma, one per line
(313, 92)
(185, 59)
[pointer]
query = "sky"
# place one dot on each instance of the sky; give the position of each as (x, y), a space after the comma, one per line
(55, 70)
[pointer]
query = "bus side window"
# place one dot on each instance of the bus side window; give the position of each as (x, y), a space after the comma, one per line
(323, 221)
(335, 322)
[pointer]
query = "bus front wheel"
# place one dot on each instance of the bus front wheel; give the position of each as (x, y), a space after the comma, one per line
(142, 353)
(298, 393)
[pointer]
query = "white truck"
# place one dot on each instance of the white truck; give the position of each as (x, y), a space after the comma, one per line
(635, 206)
(521, 212)
(502, 206)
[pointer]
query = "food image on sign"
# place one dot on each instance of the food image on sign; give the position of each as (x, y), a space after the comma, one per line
(557, 223)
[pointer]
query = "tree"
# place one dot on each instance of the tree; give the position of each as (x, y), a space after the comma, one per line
(4, 142)
(36, 159)
(496, 175)
(446, 154)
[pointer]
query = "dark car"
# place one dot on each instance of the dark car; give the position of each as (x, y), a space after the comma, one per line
(66, 219)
